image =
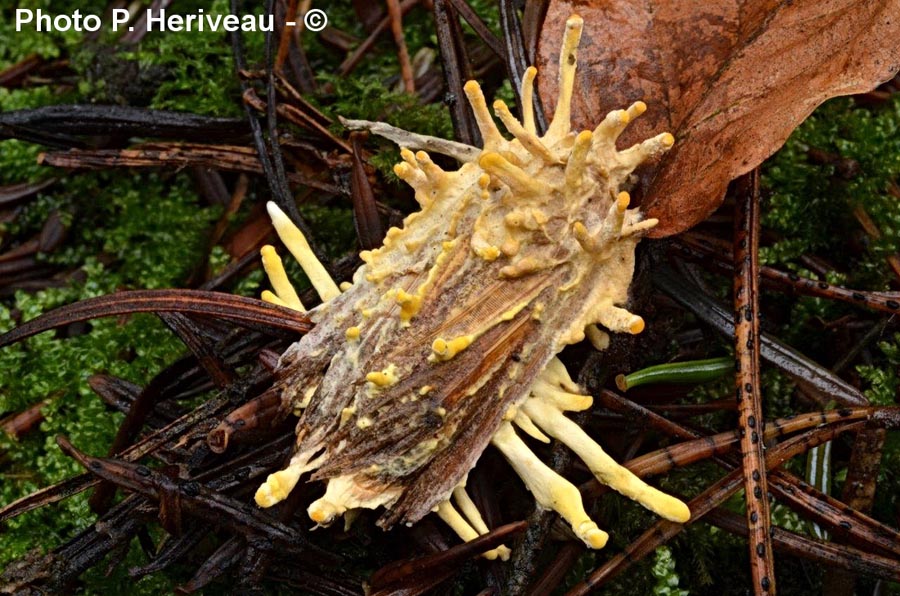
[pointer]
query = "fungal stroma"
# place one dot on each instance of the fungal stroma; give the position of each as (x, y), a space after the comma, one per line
(446, 340)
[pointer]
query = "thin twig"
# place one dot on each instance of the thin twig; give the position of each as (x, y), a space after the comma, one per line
(286, 33)
(827, 554)
(406, 72)
(353, 59)
(58, 126)
(155, 155)
(486, 35)
(463, 124)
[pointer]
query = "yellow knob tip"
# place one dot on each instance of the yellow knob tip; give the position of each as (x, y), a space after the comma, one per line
(490, 160)
(471, 87)
(597, 538)
(636, 326)
(682, 514)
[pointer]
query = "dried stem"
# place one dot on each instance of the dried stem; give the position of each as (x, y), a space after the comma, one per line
(222, 157)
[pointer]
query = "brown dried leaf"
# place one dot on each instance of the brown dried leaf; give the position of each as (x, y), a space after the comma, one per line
(729, 78)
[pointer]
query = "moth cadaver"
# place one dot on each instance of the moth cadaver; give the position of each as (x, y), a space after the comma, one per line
(446, 340)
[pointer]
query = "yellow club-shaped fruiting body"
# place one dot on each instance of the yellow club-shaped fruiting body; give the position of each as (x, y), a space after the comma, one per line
(446, 341)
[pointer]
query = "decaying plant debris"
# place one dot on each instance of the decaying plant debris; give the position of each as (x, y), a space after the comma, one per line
(173, 500)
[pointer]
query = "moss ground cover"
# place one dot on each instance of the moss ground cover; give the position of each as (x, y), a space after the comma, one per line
(130, 230)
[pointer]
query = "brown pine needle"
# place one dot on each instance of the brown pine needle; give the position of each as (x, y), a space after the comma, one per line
(747, 386)
(406, 72)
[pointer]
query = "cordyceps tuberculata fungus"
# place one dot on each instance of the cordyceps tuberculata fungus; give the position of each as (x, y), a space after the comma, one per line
(446, 340)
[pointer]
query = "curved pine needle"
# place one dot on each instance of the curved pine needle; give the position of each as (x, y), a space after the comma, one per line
(45, 496)
(216, 304)
(13, 194)
(232, 158)
(225, 557)
(191, 334)
(170, 551)
(806, 500)
(696, 448)
(690, 452)
(147, 445)
(446, 23)
(837, 516)
(75, 119)
(479, 26)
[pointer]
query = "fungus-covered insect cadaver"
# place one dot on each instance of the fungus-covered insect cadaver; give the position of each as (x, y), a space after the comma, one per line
(446, 340)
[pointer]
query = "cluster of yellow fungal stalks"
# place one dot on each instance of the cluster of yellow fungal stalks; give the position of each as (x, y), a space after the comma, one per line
(542, 223)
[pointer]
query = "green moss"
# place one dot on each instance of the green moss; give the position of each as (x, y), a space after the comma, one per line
(365, 98)
(154, 237)
(124, 231)
(148, 231)
(17, 45)
(18, 159)
(882, 380)
(809, 202)
(198, 68)
(665, 574)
